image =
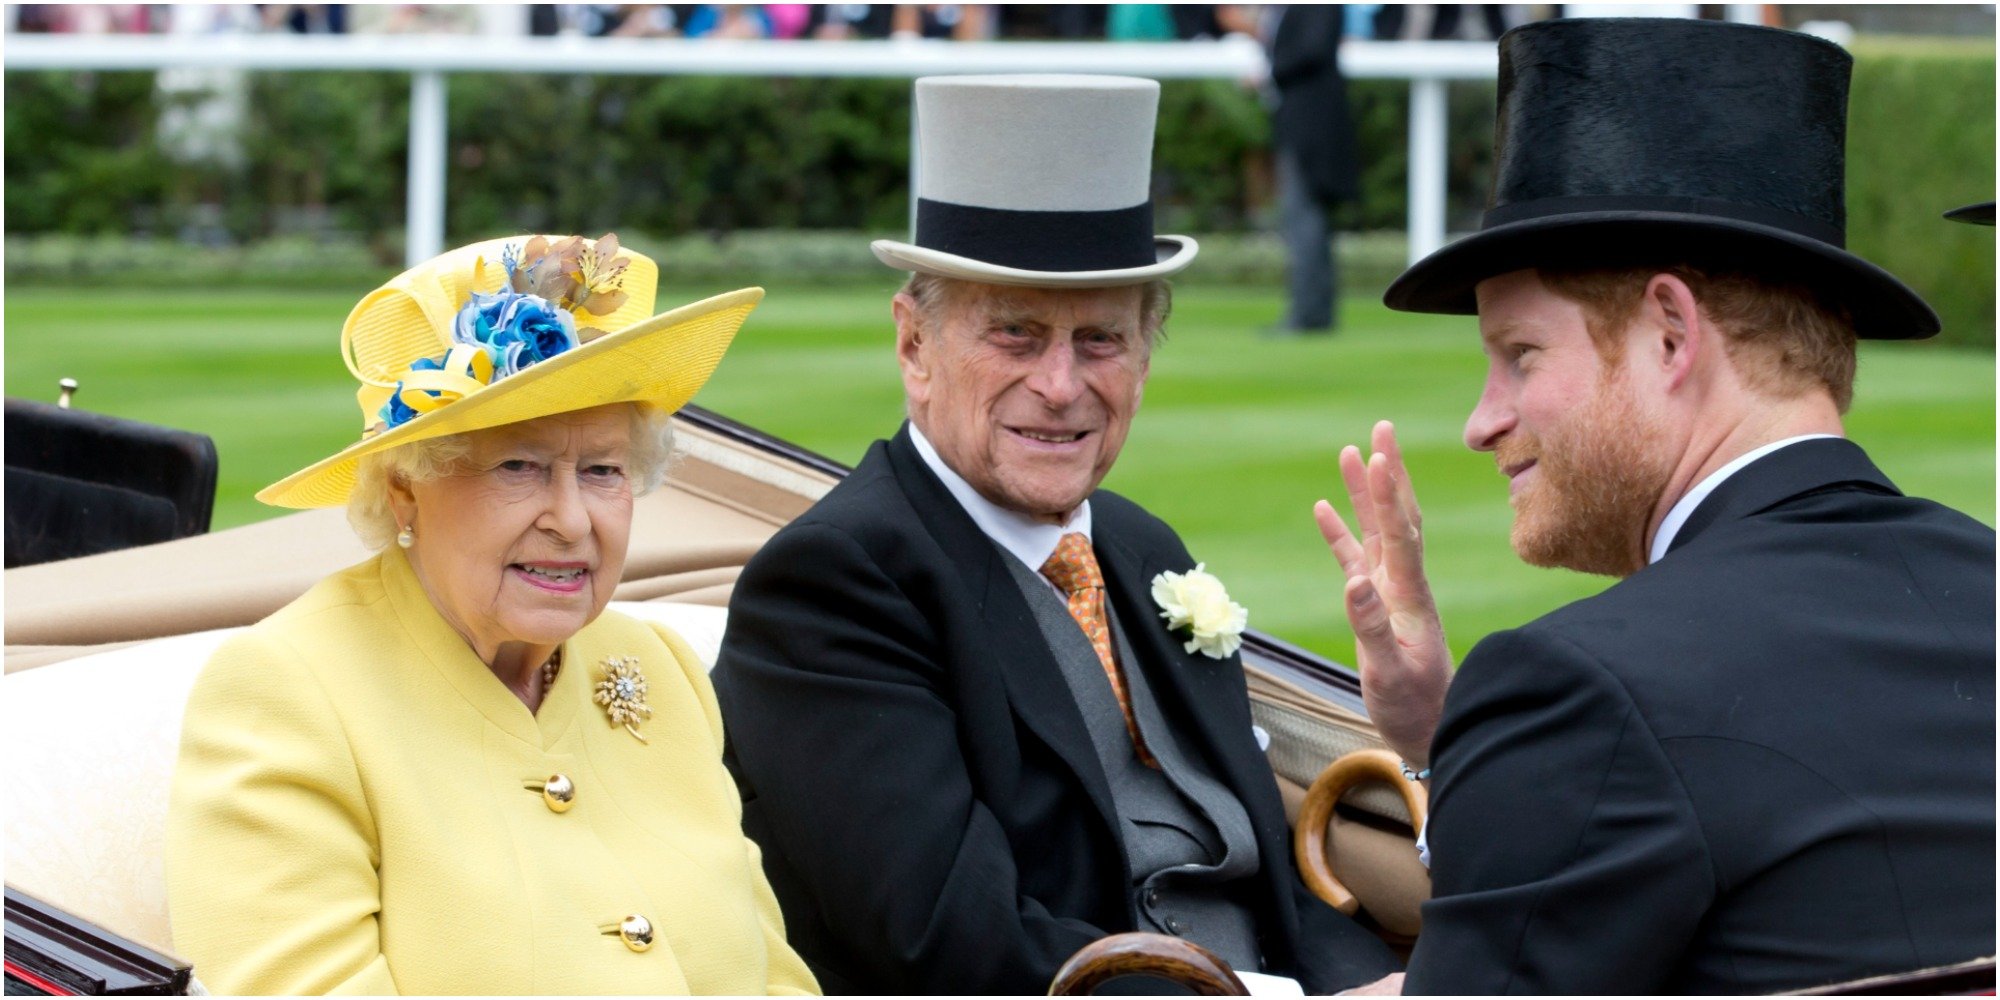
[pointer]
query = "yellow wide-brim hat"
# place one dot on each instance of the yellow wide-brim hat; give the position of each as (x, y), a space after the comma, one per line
(628, 354)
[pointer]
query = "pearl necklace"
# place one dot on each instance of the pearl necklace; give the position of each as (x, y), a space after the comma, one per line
(550, 670)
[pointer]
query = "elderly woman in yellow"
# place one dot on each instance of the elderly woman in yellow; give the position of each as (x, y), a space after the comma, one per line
(449, 769)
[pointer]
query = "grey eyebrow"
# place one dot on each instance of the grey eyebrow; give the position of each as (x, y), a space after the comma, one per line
(1002, 312)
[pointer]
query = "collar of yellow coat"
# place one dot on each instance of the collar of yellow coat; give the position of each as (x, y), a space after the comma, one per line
(448, 653)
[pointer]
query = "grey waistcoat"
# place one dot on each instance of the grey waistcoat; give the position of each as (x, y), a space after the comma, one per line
(1189, 847)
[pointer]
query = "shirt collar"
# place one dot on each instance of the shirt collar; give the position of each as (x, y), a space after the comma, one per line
(1025, 538)
(1684, 507)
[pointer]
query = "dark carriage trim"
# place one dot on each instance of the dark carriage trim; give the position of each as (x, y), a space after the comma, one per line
(1963, 979)
(716, 423)
(1339, 683)
(50, 948)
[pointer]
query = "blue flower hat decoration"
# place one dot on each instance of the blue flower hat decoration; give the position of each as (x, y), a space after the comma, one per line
(510, 330)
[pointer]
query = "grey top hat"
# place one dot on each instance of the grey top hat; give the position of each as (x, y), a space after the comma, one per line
(1042, 180)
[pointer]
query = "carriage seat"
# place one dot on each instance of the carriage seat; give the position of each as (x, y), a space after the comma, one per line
(91, 743)
(79, 483)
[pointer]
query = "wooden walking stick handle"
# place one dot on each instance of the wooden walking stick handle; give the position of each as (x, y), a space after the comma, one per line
(1155, 955)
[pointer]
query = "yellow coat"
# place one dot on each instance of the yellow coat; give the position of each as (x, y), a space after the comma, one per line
(349, 815)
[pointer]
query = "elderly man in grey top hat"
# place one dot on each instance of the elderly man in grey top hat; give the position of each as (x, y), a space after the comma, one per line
(966, 740)
(1764, 759)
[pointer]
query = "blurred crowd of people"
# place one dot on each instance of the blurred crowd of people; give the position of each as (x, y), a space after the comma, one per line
(1117, 22)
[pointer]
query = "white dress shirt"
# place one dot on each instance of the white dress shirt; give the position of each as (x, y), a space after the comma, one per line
(1682, 508)
(1025, 538)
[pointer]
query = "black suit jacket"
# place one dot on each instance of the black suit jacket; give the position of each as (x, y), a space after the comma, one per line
(1312, 120)
(932, 814)
(1762, 763)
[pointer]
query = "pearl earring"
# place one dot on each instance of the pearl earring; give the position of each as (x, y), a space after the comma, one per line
(406, 537)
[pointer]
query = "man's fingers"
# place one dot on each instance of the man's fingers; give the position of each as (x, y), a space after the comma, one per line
(1383, 439)
(1402, 544)
(1346, 548)
(1384, 442)
(1354, 473)
(1370, 619)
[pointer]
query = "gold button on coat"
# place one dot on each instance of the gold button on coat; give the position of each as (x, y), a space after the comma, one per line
(636, 931)
(559, 793)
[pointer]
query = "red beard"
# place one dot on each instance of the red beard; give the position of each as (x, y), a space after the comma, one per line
(1598, 477)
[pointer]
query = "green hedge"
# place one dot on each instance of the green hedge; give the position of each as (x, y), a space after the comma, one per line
(324, 151)
(1920, 140)
(694, 261)
(322, 156)
(80, 155)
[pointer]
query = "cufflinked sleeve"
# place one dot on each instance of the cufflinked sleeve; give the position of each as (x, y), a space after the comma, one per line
(841, 729)
(271, 850)
(785, 972)
(1566, 855)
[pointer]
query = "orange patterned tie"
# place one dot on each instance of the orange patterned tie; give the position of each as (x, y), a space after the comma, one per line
(1073, 569)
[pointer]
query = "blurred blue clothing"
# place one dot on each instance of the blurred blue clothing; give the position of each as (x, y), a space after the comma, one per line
(1360, 20)
(703, 19)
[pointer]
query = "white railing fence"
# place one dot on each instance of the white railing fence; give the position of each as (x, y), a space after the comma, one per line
(1428, 66)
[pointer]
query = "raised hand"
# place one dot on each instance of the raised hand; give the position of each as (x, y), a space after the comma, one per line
(1399, 642)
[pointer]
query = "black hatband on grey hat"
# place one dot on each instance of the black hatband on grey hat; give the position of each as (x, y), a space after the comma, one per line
(1037, 179)
(1649, 141)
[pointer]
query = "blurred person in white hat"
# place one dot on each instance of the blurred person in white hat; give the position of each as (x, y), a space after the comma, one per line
(982, 712)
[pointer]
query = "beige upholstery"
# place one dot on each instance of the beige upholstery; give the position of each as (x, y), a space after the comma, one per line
(91, 743)
(700, 624)
(1308, 733)
(1377, 860)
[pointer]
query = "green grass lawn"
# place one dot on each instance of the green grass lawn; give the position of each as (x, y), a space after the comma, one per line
(1237, 438)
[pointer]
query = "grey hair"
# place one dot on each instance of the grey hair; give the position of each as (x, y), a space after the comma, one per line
(372, 517)
(934, 293)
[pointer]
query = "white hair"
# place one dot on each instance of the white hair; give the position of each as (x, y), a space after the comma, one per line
(935, 295)
(368, 508)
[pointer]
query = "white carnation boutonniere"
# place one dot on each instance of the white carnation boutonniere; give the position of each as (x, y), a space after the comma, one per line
(1196, 601)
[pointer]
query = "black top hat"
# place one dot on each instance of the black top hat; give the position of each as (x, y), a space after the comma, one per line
(1645, 141)
(1979, 215)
